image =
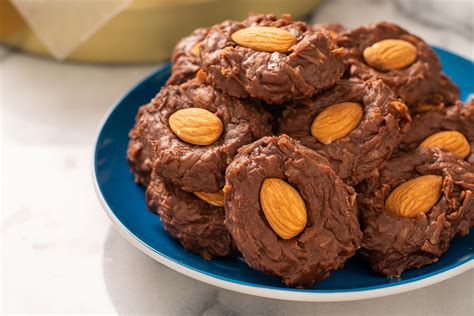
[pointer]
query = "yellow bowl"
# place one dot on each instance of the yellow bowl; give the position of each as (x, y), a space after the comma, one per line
(147, 30)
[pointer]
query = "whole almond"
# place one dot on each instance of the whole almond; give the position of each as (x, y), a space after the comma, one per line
(416, 196)
(196, 126)
(336, 121)
(390, 54)
(264, 38)
(216, 199)
(283, 207)
(452, 141)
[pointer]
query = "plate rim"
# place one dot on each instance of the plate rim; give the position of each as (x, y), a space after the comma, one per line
(288, 294)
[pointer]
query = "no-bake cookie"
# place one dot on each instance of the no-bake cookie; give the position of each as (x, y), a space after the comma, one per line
(355, 124)
(449, 127)
(336, 28)
(194, 131)
(197, 224)
(366, 110)
(288, 212)
(270, 59)
(402, 60)
(186, 57)
(139, 157)
(412, 211)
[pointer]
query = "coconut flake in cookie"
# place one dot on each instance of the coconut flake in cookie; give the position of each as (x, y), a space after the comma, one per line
(420, 201)
(270, 59)
(186, 57)
(289, 213)
(402, 60)
(356, 125)
(194, 131)
(197, 224)
(449, 127)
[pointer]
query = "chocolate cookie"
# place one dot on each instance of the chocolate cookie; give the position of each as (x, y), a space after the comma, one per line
(446, 92)
(451, 128)
(336, 28)
(288, 212)
(198, 225)
(139, 157)
(355, 124)
(412, 211)
(194, 131)
(403, 61)
(270, 59)
(186, 60)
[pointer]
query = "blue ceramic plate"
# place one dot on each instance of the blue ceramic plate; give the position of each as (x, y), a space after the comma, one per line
(124, 203)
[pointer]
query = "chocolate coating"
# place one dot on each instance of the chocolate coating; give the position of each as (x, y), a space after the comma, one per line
(199, 168)
(197, 225)
(358, 155)
(458, 117)
(139, 157)
(420, 82)
(393, 243)
(185, 62)
(332, 234)
(446, 92)
(332, 27)
(307, 67)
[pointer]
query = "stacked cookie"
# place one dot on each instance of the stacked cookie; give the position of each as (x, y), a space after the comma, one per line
(296, 145)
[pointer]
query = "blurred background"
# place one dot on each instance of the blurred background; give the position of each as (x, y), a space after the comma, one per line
(122, 31)
(63, 63)
(141, 31)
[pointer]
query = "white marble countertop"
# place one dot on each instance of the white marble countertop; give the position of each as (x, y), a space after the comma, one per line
(60, 254)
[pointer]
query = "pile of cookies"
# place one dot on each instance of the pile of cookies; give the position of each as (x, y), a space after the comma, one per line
(296, 145)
